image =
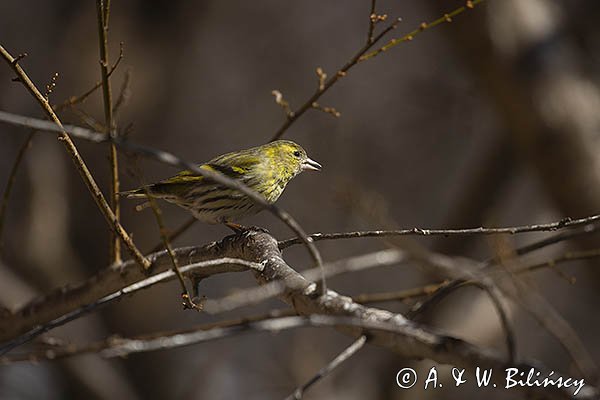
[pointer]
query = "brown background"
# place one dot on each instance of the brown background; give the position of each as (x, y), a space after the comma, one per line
(449, 130)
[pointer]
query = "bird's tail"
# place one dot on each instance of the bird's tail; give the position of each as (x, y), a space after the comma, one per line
(134, 194)
(141, 193)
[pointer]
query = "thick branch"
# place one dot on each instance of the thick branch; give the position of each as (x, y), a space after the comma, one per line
(65, 300)
(385, 329)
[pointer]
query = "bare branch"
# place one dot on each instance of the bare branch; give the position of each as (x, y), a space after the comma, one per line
(326, 85)
(372, 21)
(280, 101)
(257, 294)
(79, 163)
(399, 295)
(548, 227)
(27, 144)
(444, 290)
(188, 303)
(103, 11)
(362, 55)
(385, 329)
(124, 93)
(42, 307)
(470, 4)
(71, 101)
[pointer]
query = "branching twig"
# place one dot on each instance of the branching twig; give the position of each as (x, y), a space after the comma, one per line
(27, 144)
(470, 4)
(71, 101)
(79, 163)
(362, 55)
(372, 21)
(324, 87)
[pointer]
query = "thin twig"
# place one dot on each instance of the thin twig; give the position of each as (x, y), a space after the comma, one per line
(532, 301)
(322, 88)
(372, 21)
(445, 290)
(27, 144)
(12, 177)
(422, 27)
(170, 159)
(400, 295)
(280, 101)
(124, 93)
(323, 372)
(362, 55)
(73, 152)
(188, 303)
(176, 233)
(71, 101)
(554, 239)
(103, 11)
(548, 227)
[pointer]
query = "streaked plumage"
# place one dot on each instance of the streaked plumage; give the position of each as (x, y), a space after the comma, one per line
(267, 169)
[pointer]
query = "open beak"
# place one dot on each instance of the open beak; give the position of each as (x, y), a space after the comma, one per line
(312, 165)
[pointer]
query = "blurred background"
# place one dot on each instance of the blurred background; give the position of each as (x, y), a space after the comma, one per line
(493, 119)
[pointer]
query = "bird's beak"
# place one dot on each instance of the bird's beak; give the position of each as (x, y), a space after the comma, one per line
(312, 165)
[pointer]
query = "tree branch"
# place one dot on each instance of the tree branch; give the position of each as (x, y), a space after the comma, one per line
(73, 152)
(103, 10)
(385, 329)
(548, 227)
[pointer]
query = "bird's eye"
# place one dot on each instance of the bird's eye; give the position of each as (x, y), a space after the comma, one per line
(297, 154)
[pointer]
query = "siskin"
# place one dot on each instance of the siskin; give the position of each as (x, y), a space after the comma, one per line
(267, 169)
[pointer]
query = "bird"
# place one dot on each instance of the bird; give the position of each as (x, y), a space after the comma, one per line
(267, 169)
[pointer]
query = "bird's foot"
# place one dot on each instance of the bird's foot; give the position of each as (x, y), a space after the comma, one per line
(237, 228)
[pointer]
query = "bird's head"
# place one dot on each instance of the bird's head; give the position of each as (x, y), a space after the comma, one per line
(289, 158)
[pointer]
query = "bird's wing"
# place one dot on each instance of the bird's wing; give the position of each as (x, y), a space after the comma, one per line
(232, 165)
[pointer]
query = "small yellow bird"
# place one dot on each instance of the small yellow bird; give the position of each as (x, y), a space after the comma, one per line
(267, 169)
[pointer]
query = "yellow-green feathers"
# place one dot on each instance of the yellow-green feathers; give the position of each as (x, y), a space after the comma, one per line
(266, 169)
